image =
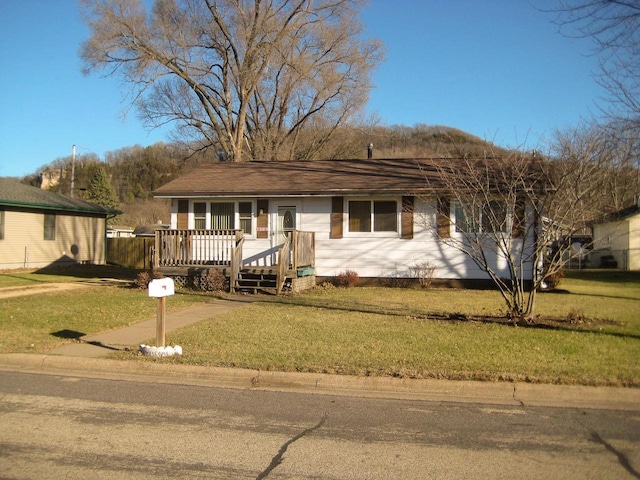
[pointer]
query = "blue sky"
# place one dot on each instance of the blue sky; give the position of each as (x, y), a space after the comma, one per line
(497, 69)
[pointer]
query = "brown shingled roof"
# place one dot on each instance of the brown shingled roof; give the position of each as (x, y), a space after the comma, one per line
(321, 177)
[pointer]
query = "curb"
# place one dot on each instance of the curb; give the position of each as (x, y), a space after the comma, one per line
(448, 391)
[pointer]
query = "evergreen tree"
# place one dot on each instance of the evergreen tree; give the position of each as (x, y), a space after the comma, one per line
(101, 191)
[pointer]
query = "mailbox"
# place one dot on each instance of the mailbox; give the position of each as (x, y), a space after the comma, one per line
(161, 287)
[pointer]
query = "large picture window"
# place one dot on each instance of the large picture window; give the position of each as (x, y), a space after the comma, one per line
(222, 216)
(381, 214)
(49, 226)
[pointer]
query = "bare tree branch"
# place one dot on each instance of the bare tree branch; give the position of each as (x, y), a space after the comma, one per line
(243, 76)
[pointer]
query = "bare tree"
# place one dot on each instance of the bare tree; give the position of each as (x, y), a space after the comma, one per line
(244, 77)
(515, 215)
(613, 26)
(604, 161)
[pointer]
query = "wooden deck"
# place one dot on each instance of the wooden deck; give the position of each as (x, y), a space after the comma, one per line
(195, 252)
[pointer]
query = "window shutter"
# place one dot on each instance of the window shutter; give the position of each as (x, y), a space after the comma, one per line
(406, 218)
(518, 220)
(263, 218)
(443, 217)
(337, 217)
(183, 214)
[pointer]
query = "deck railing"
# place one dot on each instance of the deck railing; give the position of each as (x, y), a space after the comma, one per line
(189, 248)
(304, 249)
(176, 248)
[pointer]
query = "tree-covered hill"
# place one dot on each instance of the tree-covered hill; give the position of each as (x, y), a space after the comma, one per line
(135, 172)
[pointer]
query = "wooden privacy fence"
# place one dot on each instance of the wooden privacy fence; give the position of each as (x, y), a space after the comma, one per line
(132, 252)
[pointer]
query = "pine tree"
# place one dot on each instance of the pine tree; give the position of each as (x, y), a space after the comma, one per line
(100, 190)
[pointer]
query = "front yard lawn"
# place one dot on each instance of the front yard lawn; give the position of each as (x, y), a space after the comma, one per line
(593, 340)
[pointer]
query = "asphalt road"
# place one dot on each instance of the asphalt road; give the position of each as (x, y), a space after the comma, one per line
(64, 426)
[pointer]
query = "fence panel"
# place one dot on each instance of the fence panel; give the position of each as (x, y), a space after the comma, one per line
(133, 252)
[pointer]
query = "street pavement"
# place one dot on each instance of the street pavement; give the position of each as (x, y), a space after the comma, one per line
(86, 358)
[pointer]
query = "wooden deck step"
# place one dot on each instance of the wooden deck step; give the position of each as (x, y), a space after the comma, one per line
(255, 280)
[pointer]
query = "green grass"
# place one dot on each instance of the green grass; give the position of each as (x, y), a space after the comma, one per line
(389, 332)
(375, 331)
(64, 274)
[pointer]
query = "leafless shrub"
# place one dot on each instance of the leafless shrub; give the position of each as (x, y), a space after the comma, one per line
(347, 279)
(424, 272)
(144, 278)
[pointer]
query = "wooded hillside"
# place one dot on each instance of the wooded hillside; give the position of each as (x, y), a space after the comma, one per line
(135, 172)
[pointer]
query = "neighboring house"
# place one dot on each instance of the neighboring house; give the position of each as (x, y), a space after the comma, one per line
(616, 240)
(119, 231)
(380, 218)
(149, 230)
(39, 228)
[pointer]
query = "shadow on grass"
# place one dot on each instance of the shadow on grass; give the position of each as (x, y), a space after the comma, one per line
(90, 271)
(591, 326)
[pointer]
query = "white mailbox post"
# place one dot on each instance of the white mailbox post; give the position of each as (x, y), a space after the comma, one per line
(161, 288)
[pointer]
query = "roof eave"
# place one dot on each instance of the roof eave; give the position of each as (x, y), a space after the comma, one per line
(324, 193)
(59, 208)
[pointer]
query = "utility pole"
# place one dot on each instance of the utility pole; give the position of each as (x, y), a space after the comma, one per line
(73, 167)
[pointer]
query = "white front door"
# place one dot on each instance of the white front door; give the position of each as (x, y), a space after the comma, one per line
(286, 223)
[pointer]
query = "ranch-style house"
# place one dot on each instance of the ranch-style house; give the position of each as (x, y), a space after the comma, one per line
(267, 224)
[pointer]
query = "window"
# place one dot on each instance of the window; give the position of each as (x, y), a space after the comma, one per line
(384, 217)
(488, 218)
(365, 213)
(49, 226)
(1, 224)
(199, 215)
(222, 216)
(244, 216)
(494, 217)
(360, 216)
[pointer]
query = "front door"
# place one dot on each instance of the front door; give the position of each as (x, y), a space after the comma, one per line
(286, 223)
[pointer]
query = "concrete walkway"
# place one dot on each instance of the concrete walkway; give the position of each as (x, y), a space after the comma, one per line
(101, 344)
